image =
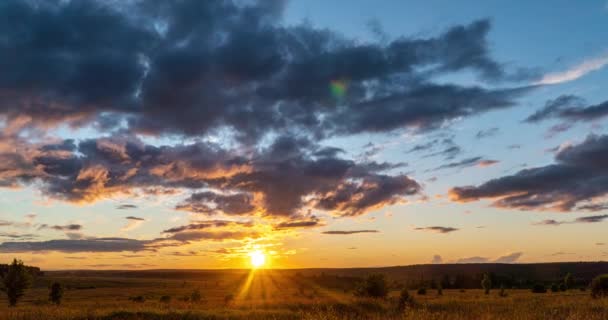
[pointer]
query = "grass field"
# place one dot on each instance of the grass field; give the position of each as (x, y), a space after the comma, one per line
(266, 294)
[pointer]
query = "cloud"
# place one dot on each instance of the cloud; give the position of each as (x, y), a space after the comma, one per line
(570, 109)
(578, 177)
(575, 72)
(307, 222)
(68, 246)
(437, 229)
(509, 258)
(481, 134)
(69, 227)
(472, 260)
(469, 162)
(133, 223)
(267, 76)
(437, 259)
(347, 232)
(126, 206)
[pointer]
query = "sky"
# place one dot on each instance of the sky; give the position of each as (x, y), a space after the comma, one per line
(189, 134)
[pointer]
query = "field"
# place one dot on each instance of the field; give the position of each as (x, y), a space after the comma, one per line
(275, 294)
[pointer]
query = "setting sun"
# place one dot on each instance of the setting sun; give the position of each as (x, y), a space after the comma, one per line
(257, 259)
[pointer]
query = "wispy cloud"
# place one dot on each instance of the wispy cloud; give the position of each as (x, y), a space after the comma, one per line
(576, 71)
(345, 232)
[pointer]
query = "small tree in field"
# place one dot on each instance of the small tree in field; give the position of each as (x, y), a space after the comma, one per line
(439, 289)
(56, 293)
(405, 300)
(196, 296)
(486, 283)
(599, 286)
(375, 286)
(16, 280)
(568, 281)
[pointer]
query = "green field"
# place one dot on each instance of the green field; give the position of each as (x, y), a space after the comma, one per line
(267, 294)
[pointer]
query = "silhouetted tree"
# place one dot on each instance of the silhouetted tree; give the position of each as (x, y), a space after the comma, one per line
(439, 289)
(502, 292)
(554, 287)
(374, 286)
(599, 286)
(16, 280)
(405, 300)
(486, 283)
(539, 288)
(196, 296)
(56, 293)
(568, 281)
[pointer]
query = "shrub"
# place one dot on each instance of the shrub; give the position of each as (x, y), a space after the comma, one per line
(562, 287)
(405, 300)
(422, 291)
(539, 288)
(554, 287)
(16, 280)
(56, 293)
(165, 299)
(568, 281)
(228, 298)
(439, 289)
(375, 286)
(599, 286)
(138, 299)
(196, 296)
(502, 292)
(486, 283)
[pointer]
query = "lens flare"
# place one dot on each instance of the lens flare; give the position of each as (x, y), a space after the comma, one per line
(338, 89)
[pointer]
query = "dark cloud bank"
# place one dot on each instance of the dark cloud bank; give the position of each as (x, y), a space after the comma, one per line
(576, 181)
(191, 69)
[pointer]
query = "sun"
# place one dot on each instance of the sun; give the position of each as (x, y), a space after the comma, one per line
(257, 259)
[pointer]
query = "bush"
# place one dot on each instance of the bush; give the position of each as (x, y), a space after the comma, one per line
(422, 291)
(539, 288)
(56, 293)
(439, 289)
(16, 280)
(405, 300)
(228, 298)
(165, 299)
(486, 283)
(568, 281)
(554, 288)
(375, 286)
(196, 296)
(599, 286)
(138, 299)
(502, 292)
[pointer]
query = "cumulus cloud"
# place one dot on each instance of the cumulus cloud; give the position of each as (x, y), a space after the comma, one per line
(579, 176)
(267, 76)
(437, 259)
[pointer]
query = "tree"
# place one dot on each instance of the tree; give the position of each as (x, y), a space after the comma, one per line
(56, 293)
(439, 289)
(196, 296)
(568, 281)
(502, 292)
(539, 288)
(599, 286)
(486, 283)
(374, 286)
(405, 300)
(16, 280)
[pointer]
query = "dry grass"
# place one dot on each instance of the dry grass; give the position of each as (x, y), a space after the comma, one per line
(267, 295)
